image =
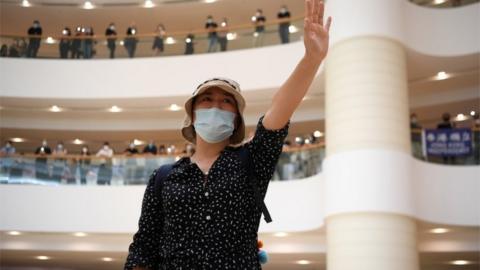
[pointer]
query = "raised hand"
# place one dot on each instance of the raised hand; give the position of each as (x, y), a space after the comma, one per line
(315, 31)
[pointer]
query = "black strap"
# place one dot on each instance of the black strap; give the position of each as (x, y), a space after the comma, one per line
(160, 174)
(248, 164)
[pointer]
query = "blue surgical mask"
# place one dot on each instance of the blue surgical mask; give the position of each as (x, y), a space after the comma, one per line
(214, 125)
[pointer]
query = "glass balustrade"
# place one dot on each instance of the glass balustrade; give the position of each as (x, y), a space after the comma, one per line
(294, 163)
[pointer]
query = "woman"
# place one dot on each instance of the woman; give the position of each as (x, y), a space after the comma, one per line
(157, 46)
(205, 215)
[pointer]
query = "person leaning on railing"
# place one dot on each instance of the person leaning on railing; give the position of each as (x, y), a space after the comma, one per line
(283, 27)
(111, 34)
(35, 33)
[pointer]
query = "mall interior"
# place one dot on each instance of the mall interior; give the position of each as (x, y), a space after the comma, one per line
(380, 169)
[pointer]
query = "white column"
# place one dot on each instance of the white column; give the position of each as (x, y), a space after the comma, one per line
(368, 191)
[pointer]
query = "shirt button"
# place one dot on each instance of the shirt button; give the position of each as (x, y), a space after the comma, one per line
(208, 217)
(206, 194)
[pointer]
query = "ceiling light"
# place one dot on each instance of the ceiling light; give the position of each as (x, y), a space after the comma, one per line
(472, 113)
(17, 140)
(177, 158)
(254, 18)
(231, 36)
(107, 259)
(307, 141)
(317, 134)
(304, 262)
(148, 4)
(174, 107)
(55, 108)
(115, 109)
(138, 142)
(255, 34)
(442, 75)
(78, 141)
(14, 233)
(88, 5)
(461, 117)
(460, 262)
(292, 29)
(170, 40)
(80, 234)
(121, 42)
(210, 1)
(280, 234)
(298, 139)
(25, 3)
(439, 230)
(438, 2)
(50, 40)
(43, 258)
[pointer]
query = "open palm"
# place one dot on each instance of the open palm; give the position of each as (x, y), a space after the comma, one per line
(315, 30)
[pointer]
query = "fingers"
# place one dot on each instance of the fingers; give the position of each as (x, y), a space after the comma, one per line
(329, 22)
(321, 8)
(308, 13)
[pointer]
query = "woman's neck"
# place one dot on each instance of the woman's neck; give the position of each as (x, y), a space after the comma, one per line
(208, 151)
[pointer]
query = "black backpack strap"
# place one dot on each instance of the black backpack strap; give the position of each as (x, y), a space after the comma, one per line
(247, 163)
(160, 174)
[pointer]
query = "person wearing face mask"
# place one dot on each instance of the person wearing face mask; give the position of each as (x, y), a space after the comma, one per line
(284, 16)
(64, 44)
(111, 35)
(157, 46)
(75, 48)
(130, 42)
(259, 22)
(416, 136)
(35, 33)
(131, 168)
(203, 211)
(105, 170)
(211, 27)
(222, 35)
(41, 167)
(84, 163)
(59, 163)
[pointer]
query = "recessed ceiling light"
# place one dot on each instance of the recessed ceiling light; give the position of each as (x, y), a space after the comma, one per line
(78, 141)
(55, 108)
(439, 230)
(461, 117)
(138, 142)
(88, 5)
(115, 108)
(231, 36)
(43, 258)
(148, 4)
(170, 40)
(14, 233)
(80, 234)
(210, 1)
(174, 107)
(317, 134)
(292, 29)
(17, 140)
(304, 262)
(107, 259)
(280, 234)
(442, 75)
(460, 262)
(25, 3)
(472, 113)
(438, 2)
(50, 40)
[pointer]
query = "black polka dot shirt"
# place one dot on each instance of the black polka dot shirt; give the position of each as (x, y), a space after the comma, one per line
(207, 221)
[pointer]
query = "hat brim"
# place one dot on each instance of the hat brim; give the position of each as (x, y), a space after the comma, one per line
(188, 131)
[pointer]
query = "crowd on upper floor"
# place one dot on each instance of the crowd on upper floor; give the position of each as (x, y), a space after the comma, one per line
(81, 43)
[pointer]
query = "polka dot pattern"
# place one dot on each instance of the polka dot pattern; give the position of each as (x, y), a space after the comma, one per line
(207, 221)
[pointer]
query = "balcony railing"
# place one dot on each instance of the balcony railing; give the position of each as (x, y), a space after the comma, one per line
(294, 163)
(175, 43)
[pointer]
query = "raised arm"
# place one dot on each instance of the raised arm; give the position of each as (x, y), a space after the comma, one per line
(291, 93)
